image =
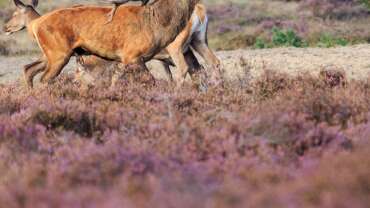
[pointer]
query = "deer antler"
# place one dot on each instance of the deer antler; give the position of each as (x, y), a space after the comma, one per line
(34, 3)
(19, 4)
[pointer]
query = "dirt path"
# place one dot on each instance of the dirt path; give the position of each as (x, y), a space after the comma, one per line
(355, 60)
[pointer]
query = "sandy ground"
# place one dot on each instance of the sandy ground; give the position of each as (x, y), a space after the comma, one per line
(354, 60)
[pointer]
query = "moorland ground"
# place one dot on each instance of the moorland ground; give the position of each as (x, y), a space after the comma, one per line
(289, 127)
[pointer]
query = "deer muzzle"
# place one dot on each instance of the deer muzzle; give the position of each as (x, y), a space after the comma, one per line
(6, 30)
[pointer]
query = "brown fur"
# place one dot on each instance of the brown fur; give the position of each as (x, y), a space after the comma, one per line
(134, 36)
(184, 60)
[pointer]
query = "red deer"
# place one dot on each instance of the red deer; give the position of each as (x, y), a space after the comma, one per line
(133, 37)
(27, 13)
(194, 35)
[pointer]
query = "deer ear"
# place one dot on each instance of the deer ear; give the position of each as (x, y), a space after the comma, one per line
(34, 3)
(19, 4)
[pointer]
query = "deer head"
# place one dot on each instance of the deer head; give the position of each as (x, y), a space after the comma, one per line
(23, 14)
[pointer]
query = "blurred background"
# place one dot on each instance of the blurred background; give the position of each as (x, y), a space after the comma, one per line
(251, 24)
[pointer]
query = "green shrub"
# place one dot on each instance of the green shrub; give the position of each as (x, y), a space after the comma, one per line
(261, 43)
(280, 38)
(286, 38)
(327, 41)
(366, 3)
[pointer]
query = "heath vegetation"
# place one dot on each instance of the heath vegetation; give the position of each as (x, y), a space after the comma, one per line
(273, 141)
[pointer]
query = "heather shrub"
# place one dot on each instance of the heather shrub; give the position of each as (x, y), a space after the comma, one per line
(16, 139)
(333, 77)
(250, 142)
(82, 124)
(326, 8)
(269, 84)
(225, 11)
(8, 106)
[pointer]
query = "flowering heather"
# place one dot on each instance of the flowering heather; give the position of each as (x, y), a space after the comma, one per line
(277, 142)
(340, 9)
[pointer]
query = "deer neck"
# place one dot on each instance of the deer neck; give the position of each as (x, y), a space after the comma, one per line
(168, 18)
(31, 17)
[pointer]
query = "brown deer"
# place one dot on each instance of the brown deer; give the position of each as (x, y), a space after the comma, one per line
(133, 37)
(194, 35)
(86, 63)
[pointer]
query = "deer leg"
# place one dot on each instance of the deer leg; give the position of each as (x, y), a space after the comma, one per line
(207, 54)
(194, 65)
(209, 57)
(32, 64)
(54, 67)
(146, 77)
(195, 70)
(82, 75)
(200, 45)
(180, 62)
(31, 70)
(164, 57)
